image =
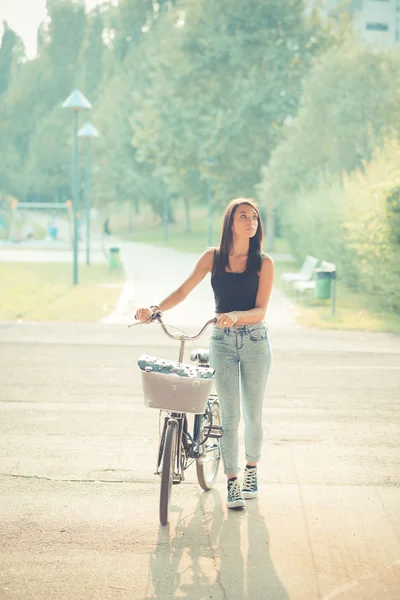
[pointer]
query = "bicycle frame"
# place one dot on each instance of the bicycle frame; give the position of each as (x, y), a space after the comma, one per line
(177, 448)
(188, 444)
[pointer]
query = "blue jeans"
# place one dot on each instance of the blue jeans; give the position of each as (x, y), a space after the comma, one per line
(240, 355)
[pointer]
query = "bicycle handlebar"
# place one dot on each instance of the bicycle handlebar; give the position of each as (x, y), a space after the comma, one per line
(174, 336)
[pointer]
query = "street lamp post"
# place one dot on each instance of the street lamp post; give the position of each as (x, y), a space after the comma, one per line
(76, 102)
(88, 131)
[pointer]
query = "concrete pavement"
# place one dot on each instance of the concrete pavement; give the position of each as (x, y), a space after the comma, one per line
(79, 501)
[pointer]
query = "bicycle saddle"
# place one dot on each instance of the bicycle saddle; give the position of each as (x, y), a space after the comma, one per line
(200, 354)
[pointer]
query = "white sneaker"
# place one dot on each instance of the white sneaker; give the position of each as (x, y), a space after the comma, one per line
(235, 498)
(250, 484)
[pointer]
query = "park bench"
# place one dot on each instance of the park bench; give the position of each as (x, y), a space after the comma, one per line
(305, 274)
(304, 286)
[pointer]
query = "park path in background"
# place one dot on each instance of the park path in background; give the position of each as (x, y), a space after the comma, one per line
(154, 272)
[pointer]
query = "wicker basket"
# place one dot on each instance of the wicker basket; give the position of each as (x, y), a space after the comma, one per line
(174, 386)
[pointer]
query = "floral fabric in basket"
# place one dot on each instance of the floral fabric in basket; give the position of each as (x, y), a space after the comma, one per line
(153, 364)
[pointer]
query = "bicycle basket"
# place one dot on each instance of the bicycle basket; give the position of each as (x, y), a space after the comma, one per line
(174, 386)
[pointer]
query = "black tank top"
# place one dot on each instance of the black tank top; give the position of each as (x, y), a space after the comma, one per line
(234, 291)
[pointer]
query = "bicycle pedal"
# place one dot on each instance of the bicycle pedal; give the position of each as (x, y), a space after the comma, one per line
(216, 432)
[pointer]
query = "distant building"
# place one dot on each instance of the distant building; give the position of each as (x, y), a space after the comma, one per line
(377, 21)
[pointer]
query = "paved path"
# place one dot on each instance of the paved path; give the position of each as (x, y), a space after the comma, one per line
(79, 501)
(154, 272)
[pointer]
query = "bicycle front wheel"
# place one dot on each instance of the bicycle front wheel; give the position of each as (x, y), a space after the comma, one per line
(167, 470)
(207, 464)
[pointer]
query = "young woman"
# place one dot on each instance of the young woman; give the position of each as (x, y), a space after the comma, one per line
(241, 278)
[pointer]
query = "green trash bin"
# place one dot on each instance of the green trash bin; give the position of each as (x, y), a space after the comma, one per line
(114, 258)
(323, 283)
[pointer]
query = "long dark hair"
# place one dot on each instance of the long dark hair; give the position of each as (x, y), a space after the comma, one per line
(254, 258)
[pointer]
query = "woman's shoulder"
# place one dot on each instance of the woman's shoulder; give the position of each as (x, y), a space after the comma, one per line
(266, 258)
(266, 263)
(207, 258)
(210, 252)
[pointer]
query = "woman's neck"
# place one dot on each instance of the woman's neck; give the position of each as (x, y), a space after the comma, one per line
(239, 248)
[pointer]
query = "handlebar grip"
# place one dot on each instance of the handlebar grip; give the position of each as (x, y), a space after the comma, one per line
(156, 315)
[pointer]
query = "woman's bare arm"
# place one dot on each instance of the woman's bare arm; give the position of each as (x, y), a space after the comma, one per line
(257, 314)
(263, 295)
(202, 267)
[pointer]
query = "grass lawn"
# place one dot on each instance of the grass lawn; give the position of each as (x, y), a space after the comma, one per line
(44, 292)
(353, 311)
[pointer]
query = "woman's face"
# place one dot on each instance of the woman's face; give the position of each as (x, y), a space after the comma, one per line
(245, 221)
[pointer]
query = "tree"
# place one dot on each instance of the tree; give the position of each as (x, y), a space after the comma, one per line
(349, 104)
(48, 170)
(22, 105)
(62, 48)
(130, 19)
(121, 177)
(90, 62)
(12, 52)
(221, 86)
(38, 87)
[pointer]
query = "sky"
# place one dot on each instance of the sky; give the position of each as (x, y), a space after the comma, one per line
(25, 16)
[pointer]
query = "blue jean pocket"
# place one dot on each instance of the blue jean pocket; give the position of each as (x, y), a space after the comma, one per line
(217, 334)
(257, 335)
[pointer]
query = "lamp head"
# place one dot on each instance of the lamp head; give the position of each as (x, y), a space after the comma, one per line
(76, 101)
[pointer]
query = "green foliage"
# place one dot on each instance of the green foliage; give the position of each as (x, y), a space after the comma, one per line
(90, 63)
(11, 53)
(172, 87)
(20, 111)
(62, 49)
(127, 22)
(48, 168)
(372, 225)
(221, 87)
(349, 107)
(355, 223)
(350, 103)
(34, 136)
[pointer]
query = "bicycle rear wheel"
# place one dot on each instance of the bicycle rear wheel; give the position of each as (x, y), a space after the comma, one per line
(167, 470)
(208, 463)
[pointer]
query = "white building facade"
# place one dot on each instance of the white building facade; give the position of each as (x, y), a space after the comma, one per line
(377, 21)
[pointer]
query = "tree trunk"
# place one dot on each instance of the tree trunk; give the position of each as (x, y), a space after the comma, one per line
(270, 228)
(130, 218)
(188, 224)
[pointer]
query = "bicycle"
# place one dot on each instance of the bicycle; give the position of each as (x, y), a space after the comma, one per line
(178, 389)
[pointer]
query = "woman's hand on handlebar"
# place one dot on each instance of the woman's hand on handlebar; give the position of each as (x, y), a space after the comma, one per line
(144, 314)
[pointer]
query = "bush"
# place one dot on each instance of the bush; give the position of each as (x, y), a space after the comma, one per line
(354, 221)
